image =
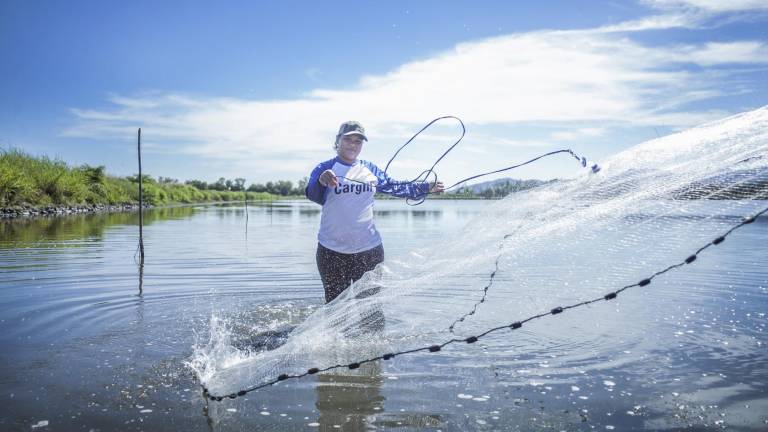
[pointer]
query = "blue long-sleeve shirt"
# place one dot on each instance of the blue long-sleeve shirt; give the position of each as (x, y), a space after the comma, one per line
(346, 224)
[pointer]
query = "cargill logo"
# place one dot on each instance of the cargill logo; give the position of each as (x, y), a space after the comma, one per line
(356, 188)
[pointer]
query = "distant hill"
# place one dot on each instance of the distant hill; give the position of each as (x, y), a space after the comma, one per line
(497, 188)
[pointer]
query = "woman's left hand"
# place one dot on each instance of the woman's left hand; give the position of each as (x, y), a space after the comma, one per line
(436, 188)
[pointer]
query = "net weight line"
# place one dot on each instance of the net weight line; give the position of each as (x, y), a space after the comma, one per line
(512, 326)
(492, 276)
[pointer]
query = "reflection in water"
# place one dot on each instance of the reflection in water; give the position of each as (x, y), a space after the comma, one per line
(228, 211)
(29, 232)
(352, 401)
(349, 400)
(141, 279)
(309, 212)
(210, 419)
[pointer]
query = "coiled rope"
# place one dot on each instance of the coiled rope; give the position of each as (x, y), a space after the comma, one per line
(430, 172)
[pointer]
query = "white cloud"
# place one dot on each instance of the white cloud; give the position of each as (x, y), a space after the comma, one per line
(592, 77)
(656, 22)
(713, 6)
(712, 54)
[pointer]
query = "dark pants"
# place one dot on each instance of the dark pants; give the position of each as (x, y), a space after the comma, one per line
(338, 270)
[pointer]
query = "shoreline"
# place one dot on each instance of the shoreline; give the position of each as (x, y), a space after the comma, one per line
(28, 211)
(23, 212)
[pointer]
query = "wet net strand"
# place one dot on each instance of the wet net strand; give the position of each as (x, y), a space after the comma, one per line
(491, 278)
(511, 326)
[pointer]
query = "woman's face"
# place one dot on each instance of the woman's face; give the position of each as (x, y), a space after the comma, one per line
(349, 147)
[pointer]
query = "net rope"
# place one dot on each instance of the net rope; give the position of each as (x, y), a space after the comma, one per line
(650, 210)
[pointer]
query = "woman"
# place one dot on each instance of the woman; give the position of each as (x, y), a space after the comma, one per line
(348, 243)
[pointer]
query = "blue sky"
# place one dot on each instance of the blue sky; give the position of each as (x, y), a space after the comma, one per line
(257, 89)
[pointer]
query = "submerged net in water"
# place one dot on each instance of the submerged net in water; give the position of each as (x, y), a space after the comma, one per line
(561, 243)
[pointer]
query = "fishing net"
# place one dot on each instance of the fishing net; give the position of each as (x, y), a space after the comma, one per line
(561, 243)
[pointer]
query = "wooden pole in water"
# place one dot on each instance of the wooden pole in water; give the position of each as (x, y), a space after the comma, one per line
(245, 192)
(141, 208)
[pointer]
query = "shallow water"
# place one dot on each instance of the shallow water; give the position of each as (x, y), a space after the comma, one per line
(88, 344)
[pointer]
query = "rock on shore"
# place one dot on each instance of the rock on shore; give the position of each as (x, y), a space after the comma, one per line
(51, 210)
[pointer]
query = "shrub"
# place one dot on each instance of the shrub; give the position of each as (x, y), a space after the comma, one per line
(15, 187)
(25, 179)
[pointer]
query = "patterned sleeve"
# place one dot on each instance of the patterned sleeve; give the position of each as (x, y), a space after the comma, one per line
(401, 189)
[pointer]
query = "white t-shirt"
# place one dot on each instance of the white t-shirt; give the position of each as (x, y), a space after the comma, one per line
(346, 224)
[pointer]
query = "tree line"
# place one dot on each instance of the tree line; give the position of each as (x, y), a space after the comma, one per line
(280, 187)
(498, 188)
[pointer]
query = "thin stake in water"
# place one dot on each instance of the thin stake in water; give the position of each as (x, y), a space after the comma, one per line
(141, 209)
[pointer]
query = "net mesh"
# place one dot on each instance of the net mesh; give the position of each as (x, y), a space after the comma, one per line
(561, 243)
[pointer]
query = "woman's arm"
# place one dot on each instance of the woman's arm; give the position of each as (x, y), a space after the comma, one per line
(413, 190)
(315, 191)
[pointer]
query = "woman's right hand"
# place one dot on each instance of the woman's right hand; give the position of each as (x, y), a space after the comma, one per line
(328, 179)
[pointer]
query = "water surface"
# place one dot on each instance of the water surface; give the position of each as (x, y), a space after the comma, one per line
(92, 344)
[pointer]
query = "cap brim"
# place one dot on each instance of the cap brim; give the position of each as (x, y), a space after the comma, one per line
(356, 133)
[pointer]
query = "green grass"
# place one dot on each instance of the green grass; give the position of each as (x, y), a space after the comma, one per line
(41, 181)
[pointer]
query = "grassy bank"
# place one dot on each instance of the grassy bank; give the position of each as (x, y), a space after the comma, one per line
(42, 181)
